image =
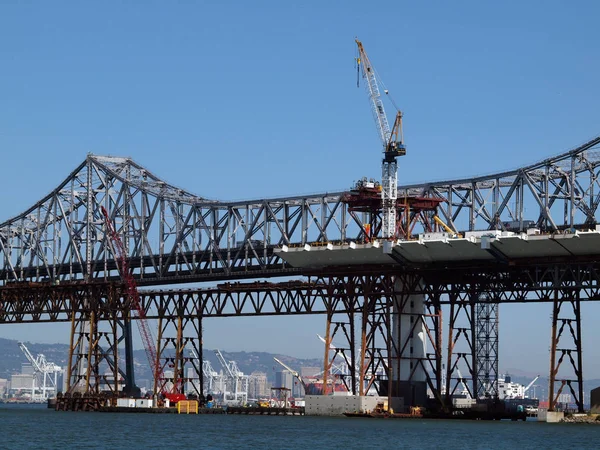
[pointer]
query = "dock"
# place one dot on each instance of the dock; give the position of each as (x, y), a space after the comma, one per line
(265, 411)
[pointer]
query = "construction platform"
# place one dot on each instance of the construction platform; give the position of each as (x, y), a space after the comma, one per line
(464, 415)
(124, 409)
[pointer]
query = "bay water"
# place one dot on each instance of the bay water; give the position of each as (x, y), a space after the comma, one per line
(35, 426)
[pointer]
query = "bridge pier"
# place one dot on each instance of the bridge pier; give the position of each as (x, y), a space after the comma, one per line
(179, 340)
(93, 353)
(375, 362)
(341, 330)
(398, 322)
(566, 316)
(486, 347)
(130, 388)
(409, 374)
(460, 345)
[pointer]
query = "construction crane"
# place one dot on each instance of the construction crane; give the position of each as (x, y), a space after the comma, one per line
(48, 370)
(529, 385)
(393, 144)
(132, 292)
(134, 296)
(293, 372)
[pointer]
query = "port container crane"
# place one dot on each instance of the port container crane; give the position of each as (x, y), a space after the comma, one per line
(392, 140)
(48, 370)
(239, 381)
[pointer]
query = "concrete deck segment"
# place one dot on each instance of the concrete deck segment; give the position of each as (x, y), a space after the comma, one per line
(445, 249)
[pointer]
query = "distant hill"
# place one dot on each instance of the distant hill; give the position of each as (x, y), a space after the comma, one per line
(11, 358)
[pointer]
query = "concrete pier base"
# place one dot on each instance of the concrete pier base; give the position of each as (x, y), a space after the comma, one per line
(337, 405)
(550, 416)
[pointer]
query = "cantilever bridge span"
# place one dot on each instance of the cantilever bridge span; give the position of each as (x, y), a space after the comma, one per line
(174, 236)
(465, 245)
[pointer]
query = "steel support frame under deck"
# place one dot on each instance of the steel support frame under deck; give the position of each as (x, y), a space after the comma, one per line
(568, 283)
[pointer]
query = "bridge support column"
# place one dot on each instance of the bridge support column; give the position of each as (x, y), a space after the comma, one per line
(179, 351)
(486, 347)
(460, 345)
(375, 344)
(130, 387)
(409, 377)
(363, 349)
(93, 367)
(566, 316)
(342, 331)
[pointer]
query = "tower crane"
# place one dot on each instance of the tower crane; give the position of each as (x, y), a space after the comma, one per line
(392, 140)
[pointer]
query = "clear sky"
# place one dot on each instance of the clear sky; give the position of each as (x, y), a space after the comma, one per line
(236, 100)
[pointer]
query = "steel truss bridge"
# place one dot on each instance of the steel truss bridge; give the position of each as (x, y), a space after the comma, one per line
(58, 265)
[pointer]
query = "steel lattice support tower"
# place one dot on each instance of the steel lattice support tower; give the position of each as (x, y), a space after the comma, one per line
(486, 347)
(567, 370)
(340, 328)
(179, 339)
(461, 337)
(376, 334)
(93, 363)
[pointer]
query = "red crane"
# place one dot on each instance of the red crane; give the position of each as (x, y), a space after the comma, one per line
(145, 331)
(134, 296)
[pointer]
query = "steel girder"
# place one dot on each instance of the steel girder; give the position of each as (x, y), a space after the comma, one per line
(61, 303)
(173, 236)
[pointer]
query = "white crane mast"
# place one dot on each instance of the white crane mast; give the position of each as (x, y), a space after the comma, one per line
(392, 146)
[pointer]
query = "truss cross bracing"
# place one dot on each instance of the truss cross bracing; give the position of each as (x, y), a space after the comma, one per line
(172, 235)
(57, 266)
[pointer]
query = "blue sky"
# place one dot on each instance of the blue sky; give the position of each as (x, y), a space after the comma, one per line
(237, 100)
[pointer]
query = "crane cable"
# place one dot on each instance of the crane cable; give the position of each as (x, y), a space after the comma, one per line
(357, 63)
(385, 89)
